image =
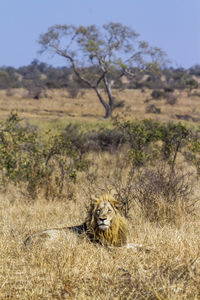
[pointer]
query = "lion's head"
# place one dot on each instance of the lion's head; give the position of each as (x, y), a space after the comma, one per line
(104, 222)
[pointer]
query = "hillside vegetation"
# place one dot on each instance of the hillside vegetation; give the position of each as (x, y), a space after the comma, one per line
(57, 151)
(39, 76)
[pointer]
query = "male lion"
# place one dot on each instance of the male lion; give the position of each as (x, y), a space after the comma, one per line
(103, 225)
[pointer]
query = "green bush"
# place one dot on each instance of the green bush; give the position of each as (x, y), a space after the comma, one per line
(140, 135)
(158, 94)
(40, 165)
(174, 137)
(149, 140)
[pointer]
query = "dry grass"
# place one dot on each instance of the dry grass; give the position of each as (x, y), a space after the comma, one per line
(167, 266)
(77, 269)
(86, 107)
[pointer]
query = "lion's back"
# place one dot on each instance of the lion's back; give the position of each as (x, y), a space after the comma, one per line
(46, 237)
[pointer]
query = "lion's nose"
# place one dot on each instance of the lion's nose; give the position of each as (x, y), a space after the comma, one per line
(102, 219)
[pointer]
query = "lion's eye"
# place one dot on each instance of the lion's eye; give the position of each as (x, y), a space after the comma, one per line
(109, 210)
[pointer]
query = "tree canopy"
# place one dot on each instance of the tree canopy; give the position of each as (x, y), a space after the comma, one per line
(111, 51)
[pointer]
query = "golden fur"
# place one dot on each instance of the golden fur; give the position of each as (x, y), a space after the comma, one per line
(103, 225)
(116, 233)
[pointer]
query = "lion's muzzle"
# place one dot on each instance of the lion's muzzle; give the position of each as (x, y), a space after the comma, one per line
(103, 223)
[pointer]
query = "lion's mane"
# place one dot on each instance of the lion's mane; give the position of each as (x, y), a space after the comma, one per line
(116, 234)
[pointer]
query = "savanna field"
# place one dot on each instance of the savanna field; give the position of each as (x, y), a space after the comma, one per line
(57, 152)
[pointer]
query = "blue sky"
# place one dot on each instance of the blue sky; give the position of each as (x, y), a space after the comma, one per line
(173, 25)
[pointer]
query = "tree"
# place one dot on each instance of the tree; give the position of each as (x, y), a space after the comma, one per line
(4, 80)
(99, 57)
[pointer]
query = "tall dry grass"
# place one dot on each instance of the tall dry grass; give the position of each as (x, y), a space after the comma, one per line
(60, 107)
(166, 266)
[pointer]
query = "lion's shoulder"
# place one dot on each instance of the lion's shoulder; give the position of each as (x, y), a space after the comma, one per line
(79, 229)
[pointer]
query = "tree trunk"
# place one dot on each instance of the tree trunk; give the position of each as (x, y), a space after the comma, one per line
(109, 92)
(107, 106)
(108, 113)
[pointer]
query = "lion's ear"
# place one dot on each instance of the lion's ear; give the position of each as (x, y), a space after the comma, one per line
(93, 199)
(116, 202)
(118, 205)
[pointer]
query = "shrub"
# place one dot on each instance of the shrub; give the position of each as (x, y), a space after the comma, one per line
(162, 195)
(73, 91)
(118, 104)
(139, 135)
(169, 89)
(109, 139)
(46, 166)
(174, 137)
(102, 140)
(191, 84)
(153, 109)
(157, 94)
(149, 140)
(171, 98)
(167, 94)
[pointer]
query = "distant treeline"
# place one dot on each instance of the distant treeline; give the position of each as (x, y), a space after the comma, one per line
(39, 76)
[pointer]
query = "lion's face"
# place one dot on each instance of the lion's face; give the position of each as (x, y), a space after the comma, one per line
(104, 214)
(104, 222)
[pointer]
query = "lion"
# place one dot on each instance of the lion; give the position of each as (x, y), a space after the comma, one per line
(104, 225)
